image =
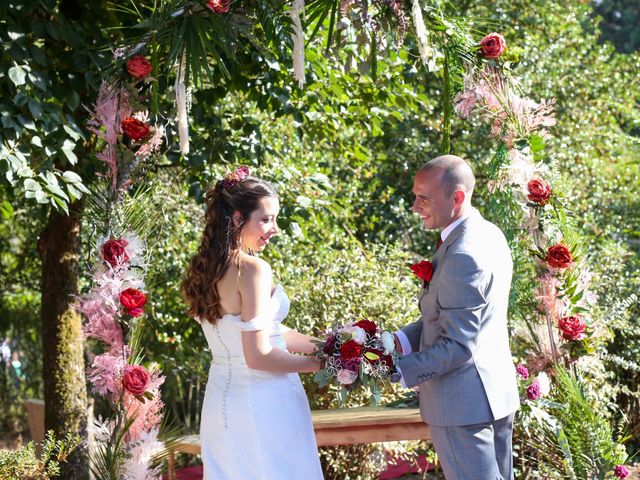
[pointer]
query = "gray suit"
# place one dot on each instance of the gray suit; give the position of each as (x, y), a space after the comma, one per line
(462, 361)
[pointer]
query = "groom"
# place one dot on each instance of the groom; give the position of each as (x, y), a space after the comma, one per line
(458, 351)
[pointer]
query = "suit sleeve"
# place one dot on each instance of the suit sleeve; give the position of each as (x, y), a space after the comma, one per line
(413, 331)
(461, 300)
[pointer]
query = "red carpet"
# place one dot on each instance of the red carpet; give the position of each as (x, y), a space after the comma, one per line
(394, 470)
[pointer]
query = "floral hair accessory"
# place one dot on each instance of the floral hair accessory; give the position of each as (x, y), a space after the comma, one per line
(234, 177)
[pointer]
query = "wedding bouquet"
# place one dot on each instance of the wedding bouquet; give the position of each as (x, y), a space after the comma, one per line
(355, 354)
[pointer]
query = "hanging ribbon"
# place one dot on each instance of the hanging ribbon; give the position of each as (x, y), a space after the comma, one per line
(427, 52)
(181, 106)
(298, 42)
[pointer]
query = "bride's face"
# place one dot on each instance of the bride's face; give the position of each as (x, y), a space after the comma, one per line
(431, 203)
(261, 225)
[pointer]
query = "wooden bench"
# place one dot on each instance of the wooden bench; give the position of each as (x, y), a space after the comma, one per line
(345, 426)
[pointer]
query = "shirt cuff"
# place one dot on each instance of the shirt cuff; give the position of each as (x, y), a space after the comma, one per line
(404, 342)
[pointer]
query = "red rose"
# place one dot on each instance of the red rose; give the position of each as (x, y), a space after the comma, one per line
(424, 270)
(113, 252)
(133, 300)
(135, 379)
(219, 6)
(559, 256)
(572, 328)
(368, 326)
(493, 45)
(539, 191)
(138, 66)
(134, 128)
(350, 349)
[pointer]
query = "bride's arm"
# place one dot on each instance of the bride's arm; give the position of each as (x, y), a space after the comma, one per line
(255, 290)
(299, 342)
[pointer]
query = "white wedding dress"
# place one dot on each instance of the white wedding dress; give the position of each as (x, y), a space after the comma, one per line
(255, 425)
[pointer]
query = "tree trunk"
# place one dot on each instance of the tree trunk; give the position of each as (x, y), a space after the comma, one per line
(65, 390)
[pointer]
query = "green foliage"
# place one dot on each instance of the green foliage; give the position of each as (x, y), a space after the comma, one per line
(570, 437)
(25, 464)
(48, 67)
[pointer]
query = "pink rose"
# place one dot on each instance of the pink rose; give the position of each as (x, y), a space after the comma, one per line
(135, 379)
(572, 328)
(493, 45)
(138, 66)
(539, 191)
(522, 371)
(347, 377)
(113, 251)
(621, 471)
(559, 256)
(533, 391)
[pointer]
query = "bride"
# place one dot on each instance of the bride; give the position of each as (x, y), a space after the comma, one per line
(255, 422)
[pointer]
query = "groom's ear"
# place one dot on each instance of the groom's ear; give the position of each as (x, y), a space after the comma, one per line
(459, 197)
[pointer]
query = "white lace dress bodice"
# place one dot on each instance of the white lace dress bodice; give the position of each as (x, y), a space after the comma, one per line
(254, 424)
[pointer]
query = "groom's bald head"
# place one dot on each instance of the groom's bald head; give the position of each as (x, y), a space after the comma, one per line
(455, 174)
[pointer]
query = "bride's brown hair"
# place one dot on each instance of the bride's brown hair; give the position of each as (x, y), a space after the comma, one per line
(220, 241)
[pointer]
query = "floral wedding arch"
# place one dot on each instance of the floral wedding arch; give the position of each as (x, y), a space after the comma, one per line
(188, 39)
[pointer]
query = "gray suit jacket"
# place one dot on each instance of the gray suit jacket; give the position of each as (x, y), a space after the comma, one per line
(461, 360)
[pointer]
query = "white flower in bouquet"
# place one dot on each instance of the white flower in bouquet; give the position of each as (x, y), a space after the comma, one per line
(388, 342)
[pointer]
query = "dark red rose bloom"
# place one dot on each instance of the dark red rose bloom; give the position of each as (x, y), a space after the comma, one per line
(384, 359)
(368, 326)
(423, 270)
(572, 328)
(133, 300)
(135, 379)
(329, 344)
(134, 128)
(493, 45)
(350, 349)
(539, 191)
(139, 66)
(559, 256)
(219, 6)
(113, 251)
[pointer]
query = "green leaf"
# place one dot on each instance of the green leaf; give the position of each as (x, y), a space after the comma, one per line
(32, 185)
(304, 202)
(72, 133)
(35, 140)
(17, 75)
(41, 196)
(67, 149)
(71, 177)
(6, 209)
(372, 356)
(35, 108)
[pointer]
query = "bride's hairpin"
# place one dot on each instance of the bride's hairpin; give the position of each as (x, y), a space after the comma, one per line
(234, 177)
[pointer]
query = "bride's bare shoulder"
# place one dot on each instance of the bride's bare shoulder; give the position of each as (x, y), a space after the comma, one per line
(254, 270)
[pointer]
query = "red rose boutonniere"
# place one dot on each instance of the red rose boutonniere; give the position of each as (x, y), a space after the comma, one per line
(423, 270)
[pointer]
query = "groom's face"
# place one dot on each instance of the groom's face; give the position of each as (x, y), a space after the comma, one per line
(431, 203)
